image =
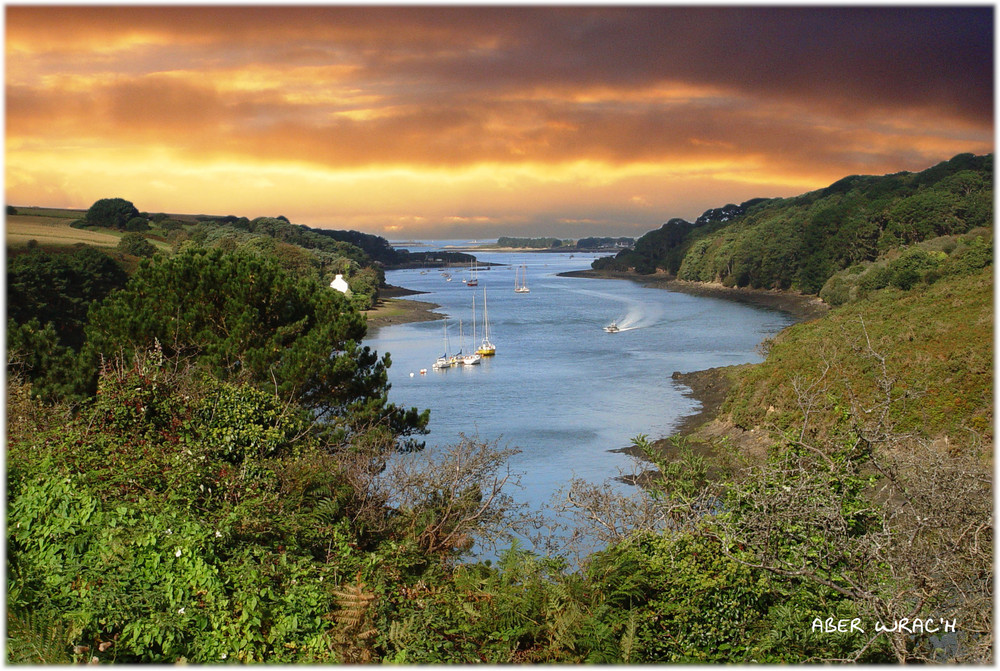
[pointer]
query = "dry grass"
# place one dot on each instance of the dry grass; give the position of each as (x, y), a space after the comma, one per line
(53, 231)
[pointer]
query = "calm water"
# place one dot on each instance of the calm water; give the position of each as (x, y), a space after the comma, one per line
(559, 388)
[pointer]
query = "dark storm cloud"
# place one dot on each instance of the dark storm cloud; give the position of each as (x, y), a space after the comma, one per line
(776, 98)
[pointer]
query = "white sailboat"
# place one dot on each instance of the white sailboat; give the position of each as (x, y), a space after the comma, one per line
(486, 348)
(521, 284)
(465, 359)
(444, 361)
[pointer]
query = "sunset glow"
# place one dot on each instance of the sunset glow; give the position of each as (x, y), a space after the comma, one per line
(482, 121)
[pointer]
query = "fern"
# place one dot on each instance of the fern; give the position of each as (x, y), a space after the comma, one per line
(356, 619)
(326, 511)
(36, 638)
(628, 639)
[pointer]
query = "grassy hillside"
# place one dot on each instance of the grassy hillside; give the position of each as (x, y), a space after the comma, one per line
(937, 344)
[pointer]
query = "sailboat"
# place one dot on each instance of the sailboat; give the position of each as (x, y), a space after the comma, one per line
(466, 359)
(444, 361)
(473, 280)
(474, 358)
(521, 287)
(486, 348)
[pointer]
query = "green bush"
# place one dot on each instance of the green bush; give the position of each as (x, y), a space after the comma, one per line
(137, 224)
(136, 244)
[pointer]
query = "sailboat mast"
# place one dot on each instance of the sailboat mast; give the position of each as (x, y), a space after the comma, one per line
(486, 321)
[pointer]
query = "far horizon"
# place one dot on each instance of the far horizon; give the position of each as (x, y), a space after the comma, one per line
(449, 122)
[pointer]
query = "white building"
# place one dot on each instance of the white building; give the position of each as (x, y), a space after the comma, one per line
(340, 284)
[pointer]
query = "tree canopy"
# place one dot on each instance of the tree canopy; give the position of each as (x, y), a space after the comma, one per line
(111, 213)
(799, 243)
(244, 318)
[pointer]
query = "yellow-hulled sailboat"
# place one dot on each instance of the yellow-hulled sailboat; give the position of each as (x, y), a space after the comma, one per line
(486, 348)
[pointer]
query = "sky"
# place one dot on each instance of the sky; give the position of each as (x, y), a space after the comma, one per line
(477, 121)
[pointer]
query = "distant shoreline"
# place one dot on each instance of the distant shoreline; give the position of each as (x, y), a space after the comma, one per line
(802, 307)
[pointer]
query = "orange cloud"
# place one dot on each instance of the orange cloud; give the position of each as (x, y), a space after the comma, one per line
(417, 118)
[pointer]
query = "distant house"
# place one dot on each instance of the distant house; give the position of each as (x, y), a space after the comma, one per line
(340, 284)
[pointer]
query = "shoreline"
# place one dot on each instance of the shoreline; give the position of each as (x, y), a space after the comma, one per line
(709, 386)
(800, 306)
(391, 309)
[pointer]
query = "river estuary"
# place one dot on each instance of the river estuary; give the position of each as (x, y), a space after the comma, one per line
(560, 388)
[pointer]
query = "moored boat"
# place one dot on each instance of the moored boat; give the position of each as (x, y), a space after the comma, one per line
(486, 348)
(521, 283)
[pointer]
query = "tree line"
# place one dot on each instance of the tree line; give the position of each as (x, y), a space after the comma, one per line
(800, 243)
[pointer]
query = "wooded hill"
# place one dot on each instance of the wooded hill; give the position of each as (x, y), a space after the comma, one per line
(800, 243)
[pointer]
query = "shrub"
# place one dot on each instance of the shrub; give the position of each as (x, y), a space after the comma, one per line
(137, 224)
(135, 244)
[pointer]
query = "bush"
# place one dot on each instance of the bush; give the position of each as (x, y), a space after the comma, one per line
(154, 528)
(137, 224)
(244, 318)
(135, 244)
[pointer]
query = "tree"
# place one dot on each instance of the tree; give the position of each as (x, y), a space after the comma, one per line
(111, 213)
(244, 318)
(135, 244)
(60, 288)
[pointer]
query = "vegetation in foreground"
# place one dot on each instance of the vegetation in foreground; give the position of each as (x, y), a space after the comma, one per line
(174, 497)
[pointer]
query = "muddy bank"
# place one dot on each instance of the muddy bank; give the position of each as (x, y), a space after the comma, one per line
(390, 309)
(709, 387)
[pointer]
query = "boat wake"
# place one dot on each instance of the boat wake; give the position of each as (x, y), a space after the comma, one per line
(639, 316)
(636, 316)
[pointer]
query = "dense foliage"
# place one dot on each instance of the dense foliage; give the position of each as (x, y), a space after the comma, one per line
(799, 243)
(600, 243)
(48, 297)
(243, 318)
(317, 253)
(59, 288)
(233, 489)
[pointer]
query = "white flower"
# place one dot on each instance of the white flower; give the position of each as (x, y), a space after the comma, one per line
(178, 553)
(223, 656)
(180, 611)
(170, 531)
(218, 534)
